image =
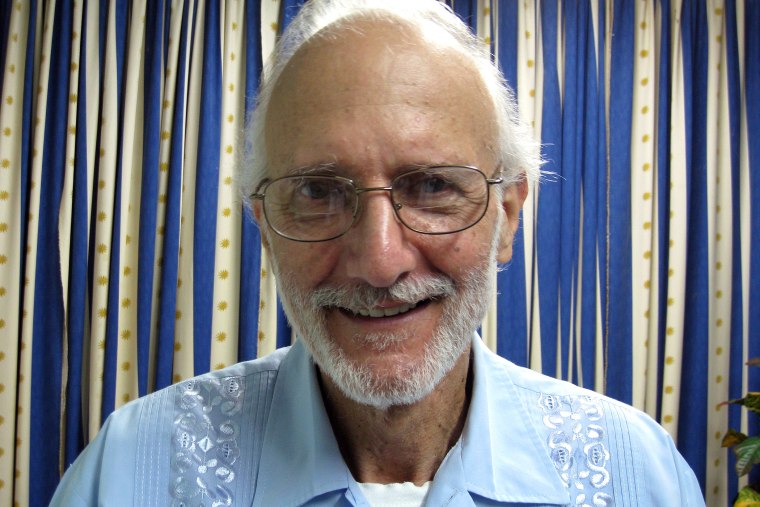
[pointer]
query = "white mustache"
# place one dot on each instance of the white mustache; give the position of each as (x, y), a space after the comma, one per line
(362, 296)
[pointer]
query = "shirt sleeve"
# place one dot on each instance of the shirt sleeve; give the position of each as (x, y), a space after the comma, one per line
(662, 477)
(103, 474)
(689, 486)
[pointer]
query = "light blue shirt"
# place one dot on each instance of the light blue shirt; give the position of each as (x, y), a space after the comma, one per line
(257, 434)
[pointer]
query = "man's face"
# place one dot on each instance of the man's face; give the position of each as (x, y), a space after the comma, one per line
(370, 106)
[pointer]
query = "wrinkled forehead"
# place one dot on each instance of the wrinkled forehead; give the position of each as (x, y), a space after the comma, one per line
(369, 61)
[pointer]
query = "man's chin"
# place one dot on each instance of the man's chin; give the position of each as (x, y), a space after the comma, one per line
(380, 384)
(384, 392)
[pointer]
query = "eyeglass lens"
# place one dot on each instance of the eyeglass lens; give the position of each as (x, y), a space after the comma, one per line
(436, 200)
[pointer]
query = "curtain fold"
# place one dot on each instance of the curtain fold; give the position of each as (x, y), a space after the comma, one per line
(748, 17)
(127, 261)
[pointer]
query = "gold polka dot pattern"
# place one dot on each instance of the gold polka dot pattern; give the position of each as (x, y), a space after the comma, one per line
(15, 356)
(719, 200)
(644, 212)
(226, 295)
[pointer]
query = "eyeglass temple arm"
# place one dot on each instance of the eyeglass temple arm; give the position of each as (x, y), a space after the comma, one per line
(257, 194)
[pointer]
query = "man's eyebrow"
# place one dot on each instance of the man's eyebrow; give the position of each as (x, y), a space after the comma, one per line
(329, 168)
(336, 169)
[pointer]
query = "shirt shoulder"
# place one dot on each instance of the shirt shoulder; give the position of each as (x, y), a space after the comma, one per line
(605, 451)
(187, 440)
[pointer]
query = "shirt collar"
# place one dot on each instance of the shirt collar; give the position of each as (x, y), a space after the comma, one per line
(500, 455)
(300, 458)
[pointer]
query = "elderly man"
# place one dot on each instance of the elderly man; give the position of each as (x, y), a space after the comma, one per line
(387, 176)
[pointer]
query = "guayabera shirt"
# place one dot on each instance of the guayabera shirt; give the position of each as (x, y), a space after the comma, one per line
(257, 433)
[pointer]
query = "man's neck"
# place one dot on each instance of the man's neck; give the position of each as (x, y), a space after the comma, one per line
(405, 443)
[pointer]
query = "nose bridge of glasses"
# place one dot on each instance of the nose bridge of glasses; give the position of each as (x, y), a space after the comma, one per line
(359, 190)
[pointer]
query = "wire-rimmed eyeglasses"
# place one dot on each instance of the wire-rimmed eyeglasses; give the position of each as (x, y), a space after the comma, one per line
(428, 200)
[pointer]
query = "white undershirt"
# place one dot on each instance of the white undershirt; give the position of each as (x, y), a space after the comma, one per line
(403, 494)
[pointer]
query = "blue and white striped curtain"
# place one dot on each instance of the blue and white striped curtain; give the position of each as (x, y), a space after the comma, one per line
(127, 261)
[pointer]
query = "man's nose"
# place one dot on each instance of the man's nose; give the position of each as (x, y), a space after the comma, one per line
(378, 248)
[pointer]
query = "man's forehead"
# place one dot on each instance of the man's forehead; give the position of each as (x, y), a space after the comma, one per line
(370, 65)
(360, 50)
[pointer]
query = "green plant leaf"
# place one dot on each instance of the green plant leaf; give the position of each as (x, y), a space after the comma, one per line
(732, 438)
(751, 402)
(747, 454)
(747, 497)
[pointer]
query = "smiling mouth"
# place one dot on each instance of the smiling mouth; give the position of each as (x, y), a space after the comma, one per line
(374, 313)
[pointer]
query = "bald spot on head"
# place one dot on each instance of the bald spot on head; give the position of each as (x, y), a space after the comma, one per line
(370, 65)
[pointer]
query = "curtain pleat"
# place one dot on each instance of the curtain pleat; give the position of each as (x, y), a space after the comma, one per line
(104, 284)
(737, 142)
(529, 91)
(548, 213)
(17, 56)
(570, 170)
(75, 221)
(720, 195)
(127, 261)
(617, 277)
(602, 12)
(170, 192)
(135, 268)
(661, 221)
(46, 312)
(149, 221)
(206, 188)
(268, 307)
(644, 246)
(751, 246)
(224, 325)
(695, 42)
(250, 244)
(674, 218)
(184, 316)
(585, 328)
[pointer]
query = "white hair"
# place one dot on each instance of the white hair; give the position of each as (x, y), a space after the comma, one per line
(517, 151)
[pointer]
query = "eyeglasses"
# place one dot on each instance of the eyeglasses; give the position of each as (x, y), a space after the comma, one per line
(429, 200)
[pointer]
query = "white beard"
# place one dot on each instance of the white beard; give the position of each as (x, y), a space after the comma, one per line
(464, 307)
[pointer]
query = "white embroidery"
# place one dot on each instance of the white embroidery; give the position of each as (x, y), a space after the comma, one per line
(577, 446)
(205, 441)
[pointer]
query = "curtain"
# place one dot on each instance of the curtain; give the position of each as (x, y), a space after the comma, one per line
(127, 261)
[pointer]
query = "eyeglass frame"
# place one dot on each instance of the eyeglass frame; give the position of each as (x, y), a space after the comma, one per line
(260, 193)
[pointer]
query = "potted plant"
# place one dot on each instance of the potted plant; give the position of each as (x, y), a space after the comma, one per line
(746, 448)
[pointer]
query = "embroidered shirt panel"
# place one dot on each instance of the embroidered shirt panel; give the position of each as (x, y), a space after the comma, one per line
(575, 428)
(200, 441)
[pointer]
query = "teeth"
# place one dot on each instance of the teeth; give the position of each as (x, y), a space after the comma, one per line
(385, 312)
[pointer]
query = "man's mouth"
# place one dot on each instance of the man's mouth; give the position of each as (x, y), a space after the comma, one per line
(377, 312)
(386, 312)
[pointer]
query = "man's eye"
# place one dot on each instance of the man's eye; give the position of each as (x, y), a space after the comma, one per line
(316, 190)
(434, 184)
(427, 185)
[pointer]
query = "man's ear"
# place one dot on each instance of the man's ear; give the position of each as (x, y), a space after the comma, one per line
(258, 215)
(511, 204)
